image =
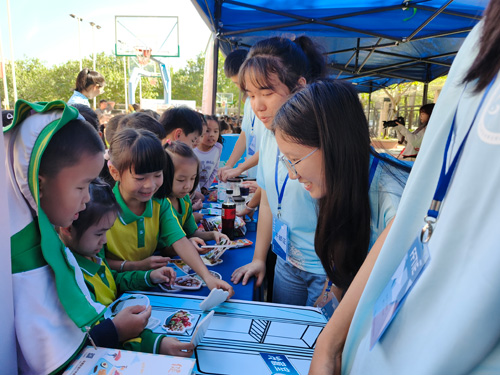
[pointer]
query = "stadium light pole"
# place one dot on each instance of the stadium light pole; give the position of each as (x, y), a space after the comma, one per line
(13, 60)
(94, 26)
(79, 19)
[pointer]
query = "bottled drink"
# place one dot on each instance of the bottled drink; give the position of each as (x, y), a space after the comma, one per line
(221, 192)
(228, 215)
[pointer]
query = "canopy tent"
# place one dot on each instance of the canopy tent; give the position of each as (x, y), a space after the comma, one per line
(373, 43)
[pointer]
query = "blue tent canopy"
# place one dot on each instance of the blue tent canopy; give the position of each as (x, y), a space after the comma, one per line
(373, 43)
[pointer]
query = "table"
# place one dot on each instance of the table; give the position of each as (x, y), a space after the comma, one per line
(241, 330)
(232, 259)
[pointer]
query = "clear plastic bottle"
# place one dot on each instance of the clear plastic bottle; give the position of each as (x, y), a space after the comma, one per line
(221, 192)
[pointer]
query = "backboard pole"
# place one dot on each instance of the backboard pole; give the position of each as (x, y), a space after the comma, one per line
(125, 81)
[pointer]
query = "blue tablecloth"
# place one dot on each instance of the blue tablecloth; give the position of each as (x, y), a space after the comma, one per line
(232, 259)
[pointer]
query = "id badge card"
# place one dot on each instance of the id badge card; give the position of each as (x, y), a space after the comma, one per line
(252, 144)
(399, 286)
(327, 304)
(280, 238)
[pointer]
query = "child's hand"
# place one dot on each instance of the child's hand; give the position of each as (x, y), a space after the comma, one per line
(197, 204)
(212, 283)
(164, 275)
(218, 237)
(153, 262)
(131, 321)
(172, 346)
(197, 242)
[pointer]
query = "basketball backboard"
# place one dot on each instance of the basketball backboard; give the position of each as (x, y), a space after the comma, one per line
(159, 34)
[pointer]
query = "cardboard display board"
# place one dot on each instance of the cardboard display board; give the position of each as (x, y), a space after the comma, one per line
(241, 331)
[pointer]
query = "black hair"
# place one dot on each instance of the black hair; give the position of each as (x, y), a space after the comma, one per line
(102, 201)
(112, 127)
(181, 117)
(288, 60)
(151, 113)
(182, 150)
(427, 109)
(87, 78)
(487, 62)
(103, 101)
(223, 125)
(234, 61)
(140, 120)
(328, 115)
(88, 114)
(214, 118)
(138, 149)
(68, 145)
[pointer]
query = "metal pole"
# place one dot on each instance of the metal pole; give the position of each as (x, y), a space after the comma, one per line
(79, 44)
(125, 82)
(426, 90)
(4, 75)
(214, 77)
(92, 24)
(13, 62)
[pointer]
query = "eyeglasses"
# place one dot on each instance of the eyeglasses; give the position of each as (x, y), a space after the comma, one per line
(291, 166)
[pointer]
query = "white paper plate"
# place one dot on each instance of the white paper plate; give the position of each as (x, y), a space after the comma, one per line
(125, 301)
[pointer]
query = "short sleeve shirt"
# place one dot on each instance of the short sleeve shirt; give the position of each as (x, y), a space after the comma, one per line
(135, 237)
(185, 216)
(251, 125)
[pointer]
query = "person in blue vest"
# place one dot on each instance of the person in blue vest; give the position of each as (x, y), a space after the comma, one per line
(322, 133)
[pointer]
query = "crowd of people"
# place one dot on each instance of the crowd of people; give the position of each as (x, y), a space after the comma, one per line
(399, 256)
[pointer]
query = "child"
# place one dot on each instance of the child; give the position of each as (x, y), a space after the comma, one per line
(86, 238)
(51, 155)
(182, 179)
(146, 224)
(209, 151)
(89, 84)
(182, 124)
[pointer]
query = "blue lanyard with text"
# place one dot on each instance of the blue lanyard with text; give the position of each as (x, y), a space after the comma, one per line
(373, 168)
(280, 193)
(253, 120)
(445, 176)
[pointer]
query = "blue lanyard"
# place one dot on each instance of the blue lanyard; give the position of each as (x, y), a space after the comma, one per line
(253, 120)
(445, 176)
(280, 193)
(373, 168)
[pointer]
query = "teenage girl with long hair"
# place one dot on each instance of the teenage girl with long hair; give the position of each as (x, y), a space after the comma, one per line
(273, 70)
(448, 321)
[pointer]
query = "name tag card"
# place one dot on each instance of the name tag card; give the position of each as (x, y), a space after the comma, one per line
(400, 284)
(280, 238)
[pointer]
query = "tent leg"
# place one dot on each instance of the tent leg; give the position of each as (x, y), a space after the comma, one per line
(426, 92)
(214, 74)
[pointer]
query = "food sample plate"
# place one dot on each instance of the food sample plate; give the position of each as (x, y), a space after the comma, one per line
(217, 275)
(178, 322)
(187, 283)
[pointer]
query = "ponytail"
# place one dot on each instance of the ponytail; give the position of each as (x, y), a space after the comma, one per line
(87, 78)
(317, 67)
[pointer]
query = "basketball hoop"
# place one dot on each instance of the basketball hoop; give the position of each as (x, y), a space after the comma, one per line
(143, 55)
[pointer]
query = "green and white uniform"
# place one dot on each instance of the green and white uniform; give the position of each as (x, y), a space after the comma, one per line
(106, 284)
(52, 304)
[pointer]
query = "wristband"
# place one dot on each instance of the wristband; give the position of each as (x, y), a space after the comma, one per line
(250, 208)
(121, 265)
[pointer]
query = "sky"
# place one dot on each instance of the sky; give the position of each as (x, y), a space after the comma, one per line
(44, 29)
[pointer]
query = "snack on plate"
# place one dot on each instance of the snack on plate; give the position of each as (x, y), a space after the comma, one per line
(178, 323)
(187, 282)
